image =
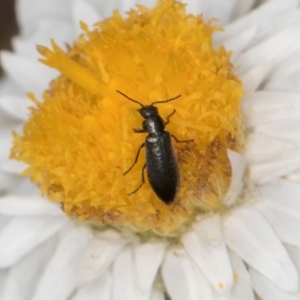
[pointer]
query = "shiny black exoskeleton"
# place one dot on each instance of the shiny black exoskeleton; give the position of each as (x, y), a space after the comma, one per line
(161, 162)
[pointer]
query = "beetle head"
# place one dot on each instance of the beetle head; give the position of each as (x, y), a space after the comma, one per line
(148, 111)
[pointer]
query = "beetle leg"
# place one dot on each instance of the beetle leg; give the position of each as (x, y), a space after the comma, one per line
(138, 130)
(168, 117)
(143, 181)
(185, 141)
(136, 159)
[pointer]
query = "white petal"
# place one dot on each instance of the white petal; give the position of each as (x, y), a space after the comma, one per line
(3, 221)
(3, 278)
(238, 43)
(99, 254)
(206, 247)
(157, 294)
(21, 235)
(282, 44)
(125, 284)
(100, 289)
(16, 106)
(285, 83)
(281, 207)
(284, 129)
(17, 67)
(269, 28)
(294, 176)
(127, 5)
(282, 21)
(265, 107)
(182, 277)
(29, 11)
(286, 162)
(264, 13)
(24, 187)
(83, 11)
(286, 113)
(270, 170)
(294, 253)
(46, 29)
(220, 10)
(286, 76)
(24, 276)
(261, 148)
(28, 206)
(242, 7)
(242, 288)
(252, 80)
(59, 279)
(13, 166)
(267, 290)
(250, 236)
(105, 8)
(287, 67)
(6, 142)
(195, 7)
(9, 87)
(7, 181)
(238, 166)
(148, 257)
(270, 157)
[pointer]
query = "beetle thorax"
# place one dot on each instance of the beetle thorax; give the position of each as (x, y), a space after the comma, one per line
(154, 125)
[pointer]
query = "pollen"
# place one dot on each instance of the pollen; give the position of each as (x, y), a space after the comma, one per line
(79, 139)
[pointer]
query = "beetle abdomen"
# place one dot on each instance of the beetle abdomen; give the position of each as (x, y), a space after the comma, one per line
(162, 169)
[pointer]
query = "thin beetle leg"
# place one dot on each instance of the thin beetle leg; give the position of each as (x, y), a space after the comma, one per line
(168, 117)
(185, 141)
(138, 130)
(143, 181)
(136, 159)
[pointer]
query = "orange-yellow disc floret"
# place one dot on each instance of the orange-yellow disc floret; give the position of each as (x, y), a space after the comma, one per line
(79, 140)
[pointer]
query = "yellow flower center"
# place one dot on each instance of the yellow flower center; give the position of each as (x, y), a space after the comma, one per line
(79, 140)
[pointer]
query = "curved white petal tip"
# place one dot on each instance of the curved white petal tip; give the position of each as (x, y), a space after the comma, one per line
(238, 166)
(206, 246)
(249, 235)
(148, 257)
(99, 255)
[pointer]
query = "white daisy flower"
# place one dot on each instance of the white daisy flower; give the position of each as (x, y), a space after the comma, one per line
(233, 230)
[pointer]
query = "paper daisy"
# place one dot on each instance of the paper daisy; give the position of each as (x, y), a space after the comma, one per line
(80, 229)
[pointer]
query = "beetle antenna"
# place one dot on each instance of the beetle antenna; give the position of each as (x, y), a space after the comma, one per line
(164, 101)
(130, 98)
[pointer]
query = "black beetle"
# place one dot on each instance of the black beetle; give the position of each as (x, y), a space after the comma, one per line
(161, 162)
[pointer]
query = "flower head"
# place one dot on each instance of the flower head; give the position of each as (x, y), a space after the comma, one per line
(79, 141)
